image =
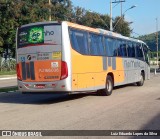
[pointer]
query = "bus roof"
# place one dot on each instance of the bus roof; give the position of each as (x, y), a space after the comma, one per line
(39, 23)
(82, 27)
(102, 31)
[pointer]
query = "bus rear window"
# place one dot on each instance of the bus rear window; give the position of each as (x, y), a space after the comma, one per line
(39, 35)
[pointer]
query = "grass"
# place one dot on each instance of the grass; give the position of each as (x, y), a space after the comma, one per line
(7, 72)
(6, 89)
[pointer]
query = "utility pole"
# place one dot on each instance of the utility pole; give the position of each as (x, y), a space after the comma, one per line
(122, 8)
(111, 23)
(157, 38)
(123, 14)
(50, 18)
(116, 1)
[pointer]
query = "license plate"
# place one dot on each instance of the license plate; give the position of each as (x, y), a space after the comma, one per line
(40, 86)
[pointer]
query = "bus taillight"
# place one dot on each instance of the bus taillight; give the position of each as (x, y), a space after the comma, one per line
(64, 70)
(18, 72)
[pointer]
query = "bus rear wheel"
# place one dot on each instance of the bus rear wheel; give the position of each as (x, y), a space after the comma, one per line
(141, 82)
(109, 86)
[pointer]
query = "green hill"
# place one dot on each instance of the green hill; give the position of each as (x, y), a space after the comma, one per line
(150, 39)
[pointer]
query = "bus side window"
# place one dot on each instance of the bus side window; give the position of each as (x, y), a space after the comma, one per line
(115, 47)
(79, 41)
(119, 42)
(93, 47)
(96, 45)
(145, 50)
(123, 49)
(101, 46)
(111, 46)
(120, 50)
(108, 46)
(139, 52)
(131, 50)
(74, 42)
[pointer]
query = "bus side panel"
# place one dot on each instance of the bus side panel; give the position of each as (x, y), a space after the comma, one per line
(115, 67)
(86, 80)
(89, 74)
(147, 69)
(85, 69)
(132, 69)
(100, 79)
(74, 82)
(119, 73)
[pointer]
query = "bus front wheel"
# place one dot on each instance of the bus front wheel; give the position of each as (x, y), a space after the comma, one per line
(141, 82)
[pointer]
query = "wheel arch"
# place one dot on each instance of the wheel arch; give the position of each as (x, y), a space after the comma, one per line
(143, 72)
(112, 75)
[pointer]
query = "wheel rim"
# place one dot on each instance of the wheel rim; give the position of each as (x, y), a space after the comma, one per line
(109, 85)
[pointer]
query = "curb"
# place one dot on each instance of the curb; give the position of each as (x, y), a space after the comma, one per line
(7, 78)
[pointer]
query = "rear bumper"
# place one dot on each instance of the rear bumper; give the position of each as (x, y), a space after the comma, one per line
(47, 92)
(56, 86)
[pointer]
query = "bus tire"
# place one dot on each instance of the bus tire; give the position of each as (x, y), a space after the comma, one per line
(108, 87)
(141, 82)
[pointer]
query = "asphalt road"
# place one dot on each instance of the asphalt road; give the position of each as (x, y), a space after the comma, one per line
(128, 108)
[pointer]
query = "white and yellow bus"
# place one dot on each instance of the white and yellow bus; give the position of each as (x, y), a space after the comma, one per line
(67, 57)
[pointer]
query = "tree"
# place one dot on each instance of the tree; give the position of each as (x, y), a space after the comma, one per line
(27, 11)
(7, 32)
(106, 21)
(95, 20)
(61, 9)
(14, 13)
(78, 15)
(121, 26)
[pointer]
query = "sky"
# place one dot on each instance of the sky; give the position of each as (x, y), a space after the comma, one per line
(143, 15)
